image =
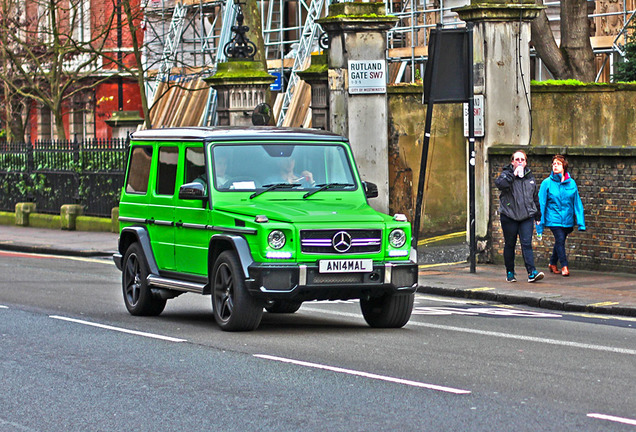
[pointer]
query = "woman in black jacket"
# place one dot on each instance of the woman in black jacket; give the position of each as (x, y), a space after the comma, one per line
(519, 209)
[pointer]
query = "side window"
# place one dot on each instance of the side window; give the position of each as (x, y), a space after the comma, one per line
(195, 165)
(139, 170)
(167, 170)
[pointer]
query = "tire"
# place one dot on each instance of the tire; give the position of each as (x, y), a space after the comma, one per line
(282, 306)
(138, 297)
(234, 308)
(388, 311)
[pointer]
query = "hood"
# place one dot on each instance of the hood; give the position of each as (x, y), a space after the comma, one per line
(304, 211)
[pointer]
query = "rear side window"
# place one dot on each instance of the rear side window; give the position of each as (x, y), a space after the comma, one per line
(167, 170)
(139, 170)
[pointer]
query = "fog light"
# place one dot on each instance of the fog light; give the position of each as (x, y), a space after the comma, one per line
(278, 255)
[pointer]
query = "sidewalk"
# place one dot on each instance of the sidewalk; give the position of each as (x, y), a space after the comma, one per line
(57, 242)
(583, 291)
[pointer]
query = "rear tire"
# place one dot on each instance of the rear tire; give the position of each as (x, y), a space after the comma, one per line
(282, 306)
(388, 311)
(234, 308)
(138, 297)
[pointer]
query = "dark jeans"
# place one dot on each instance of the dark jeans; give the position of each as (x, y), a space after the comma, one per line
(558, 253)
(523, 229)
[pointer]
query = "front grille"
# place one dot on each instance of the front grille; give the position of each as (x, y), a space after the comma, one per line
(321, 241)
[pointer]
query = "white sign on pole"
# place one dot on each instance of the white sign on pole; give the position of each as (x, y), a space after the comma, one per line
(367, 76)
(479, 116)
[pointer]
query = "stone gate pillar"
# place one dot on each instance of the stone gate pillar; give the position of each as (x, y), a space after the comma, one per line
(502, 75)
(357, 32)
(240, 86)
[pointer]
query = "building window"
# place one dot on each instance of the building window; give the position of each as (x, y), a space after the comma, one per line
(45, 124)
(82, 117)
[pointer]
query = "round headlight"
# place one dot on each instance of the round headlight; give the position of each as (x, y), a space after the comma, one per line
(276, 239)
(397, 238)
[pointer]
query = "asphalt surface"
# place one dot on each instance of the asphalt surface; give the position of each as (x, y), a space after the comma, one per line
(443, 271)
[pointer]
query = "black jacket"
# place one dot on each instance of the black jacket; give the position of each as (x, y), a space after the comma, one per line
(519, 199)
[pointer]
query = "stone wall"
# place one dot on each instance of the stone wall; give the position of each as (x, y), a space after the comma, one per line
(594, 126)
(584, 116)
(606, 179)
(445, 196)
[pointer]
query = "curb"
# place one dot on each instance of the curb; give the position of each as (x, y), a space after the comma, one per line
(552, 302)
(49, 250)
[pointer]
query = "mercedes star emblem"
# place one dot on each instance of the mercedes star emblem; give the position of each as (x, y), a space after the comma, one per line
(341, 241)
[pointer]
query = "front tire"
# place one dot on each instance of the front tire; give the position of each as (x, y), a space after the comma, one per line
(388, 311)
(234, 308)
(282, 306)
(138, 297)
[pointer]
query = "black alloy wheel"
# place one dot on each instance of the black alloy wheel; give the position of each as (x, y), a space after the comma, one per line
(138, 296)
(234, 308)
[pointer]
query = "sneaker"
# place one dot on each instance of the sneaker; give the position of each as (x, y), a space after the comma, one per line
(510, 277)
(535, 276)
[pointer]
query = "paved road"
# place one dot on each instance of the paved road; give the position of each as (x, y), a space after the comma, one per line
(73, 359)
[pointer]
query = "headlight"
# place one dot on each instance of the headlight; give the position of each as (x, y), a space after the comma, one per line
(276, 239)
(397, 238)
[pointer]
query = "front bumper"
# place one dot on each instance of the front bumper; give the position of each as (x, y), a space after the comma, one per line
(304, 282)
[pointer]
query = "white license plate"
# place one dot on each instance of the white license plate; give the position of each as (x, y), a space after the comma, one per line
(345, 266)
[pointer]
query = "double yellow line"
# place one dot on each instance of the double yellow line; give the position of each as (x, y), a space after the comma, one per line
(461, 234)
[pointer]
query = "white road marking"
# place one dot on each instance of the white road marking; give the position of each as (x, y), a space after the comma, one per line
(447, 300)
(105, 260)
(119, 329)
(613, 418)
(364, 374)
(16, 426)
(494, 311)
(496, 334)
(4, 307)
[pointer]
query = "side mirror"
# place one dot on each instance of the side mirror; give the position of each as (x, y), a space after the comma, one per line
(370, 189)
(192, 191)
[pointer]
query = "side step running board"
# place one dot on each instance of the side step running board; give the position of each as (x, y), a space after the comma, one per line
(173, 284)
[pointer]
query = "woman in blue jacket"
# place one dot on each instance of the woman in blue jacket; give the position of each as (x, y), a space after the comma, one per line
(560, 205)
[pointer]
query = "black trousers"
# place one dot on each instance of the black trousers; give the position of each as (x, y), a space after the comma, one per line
(524, 230)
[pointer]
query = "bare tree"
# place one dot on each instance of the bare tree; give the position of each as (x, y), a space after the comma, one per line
(15, 106)
(54, 54)
(574, 58)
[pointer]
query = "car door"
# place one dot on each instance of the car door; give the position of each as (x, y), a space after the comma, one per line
(191, 216)
(161, 208)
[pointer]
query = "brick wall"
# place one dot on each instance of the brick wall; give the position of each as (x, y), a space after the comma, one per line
(606, 178)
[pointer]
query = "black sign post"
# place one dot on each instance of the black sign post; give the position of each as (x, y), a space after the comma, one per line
(449, 78)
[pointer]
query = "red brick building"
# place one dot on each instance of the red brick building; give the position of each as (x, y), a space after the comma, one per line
(93, 94)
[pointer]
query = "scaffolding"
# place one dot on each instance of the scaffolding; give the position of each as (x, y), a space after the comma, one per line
(186, 38)
(407, 41)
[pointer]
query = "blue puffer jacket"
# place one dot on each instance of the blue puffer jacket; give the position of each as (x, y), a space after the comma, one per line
(560, 203)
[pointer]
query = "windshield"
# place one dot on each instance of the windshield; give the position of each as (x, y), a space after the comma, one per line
(256, 167)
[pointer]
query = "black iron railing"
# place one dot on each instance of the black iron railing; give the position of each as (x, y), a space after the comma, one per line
(53, 173)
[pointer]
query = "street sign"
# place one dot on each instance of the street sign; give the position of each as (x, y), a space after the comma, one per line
(278, 84)
(367, 76)
(479, 116)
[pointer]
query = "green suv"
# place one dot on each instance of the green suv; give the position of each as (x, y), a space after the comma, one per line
(261, 219)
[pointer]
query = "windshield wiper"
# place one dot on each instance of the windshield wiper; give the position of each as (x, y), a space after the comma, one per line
(325, 186)
(271, 187)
